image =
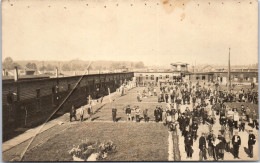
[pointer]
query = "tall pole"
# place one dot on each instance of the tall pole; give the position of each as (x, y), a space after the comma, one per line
(229, 79)
(43, 67)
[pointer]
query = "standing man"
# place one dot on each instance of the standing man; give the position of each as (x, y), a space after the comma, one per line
(227, 136)
(81, 113)
(236, 118)
(145, 112)
(137, 114)
(221, 146)
(230, 125)
(114, 110)
(236, 141)
(242, 124)
(154, 92)
(166, 97)
(128, 113)
(243, 109)
(73, 113)
(156, 114)
(202, 147)
(247, 113)
(210, 140)
(138, 97)
(254, 119)
(89, 110)
(251, 142)
(188, 145)
(194, 129)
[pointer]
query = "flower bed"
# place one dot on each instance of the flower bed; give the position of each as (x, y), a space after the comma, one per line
(92, 151)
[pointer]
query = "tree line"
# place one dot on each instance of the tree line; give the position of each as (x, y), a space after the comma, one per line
(73, 65)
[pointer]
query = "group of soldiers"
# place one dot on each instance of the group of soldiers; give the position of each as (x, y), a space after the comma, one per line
(250, 96)
(207, 105)
(203, 113)
(81, 113)
(135, 113)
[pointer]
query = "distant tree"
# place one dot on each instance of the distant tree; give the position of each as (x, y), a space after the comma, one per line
(9, 64)
(42, 68)
(139, 65)
(65, 67)
(98, 67)
(115, 65)
(50, 67)
(31, 66)
(16, 65)
(76, 67)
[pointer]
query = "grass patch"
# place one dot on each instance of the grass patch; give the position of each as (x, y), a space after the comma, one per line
(134, 141)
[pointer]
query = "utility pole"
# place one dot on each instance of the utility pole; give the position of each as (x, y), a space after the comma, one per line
(229, 79)
(43, 67)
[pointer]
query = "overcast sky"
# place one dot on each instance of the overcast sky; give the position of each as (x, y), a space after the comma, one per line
(157, 34)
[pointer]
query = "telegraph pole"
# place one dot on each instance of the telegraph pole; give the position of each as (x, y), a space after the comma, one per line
(229, 79)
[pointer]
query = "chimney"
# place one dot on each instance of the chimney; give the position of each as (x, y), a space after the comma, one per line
(15, 73)
(57, 75)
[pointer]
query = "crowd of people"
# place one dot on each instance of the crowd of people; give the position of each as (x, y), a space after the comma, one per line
(191, 105)
(207, 103)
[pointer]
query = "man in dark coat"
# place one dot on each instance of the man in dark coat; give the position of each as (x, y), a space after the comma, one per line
(195, 112)
(146, 118)
(194, 127)
(160, 113)
(210, 140)
(73, 113)
(202, 147)
(188, 145)
(218, 107)
(188, 97)
(173, 97)
(166, 98)
(230, 125)
(114, 110)
(243, 109)
(203, 115)
(128, 113)
(193, 100)
(236, 141)
(157, 114)
(220, 147)
(251, 142)
(211, 100)
(181, 122)
(223, 120)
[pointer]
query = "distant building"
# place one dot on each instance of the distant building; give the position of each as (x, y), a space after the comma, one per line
(208, 73)
(179, 67)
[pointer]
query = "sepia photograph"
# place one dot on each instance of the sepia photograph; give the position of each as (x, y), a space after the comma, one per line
(129, 80)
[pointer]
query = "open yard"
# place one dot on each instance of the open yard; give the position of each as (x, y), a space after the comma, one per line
(135, 142)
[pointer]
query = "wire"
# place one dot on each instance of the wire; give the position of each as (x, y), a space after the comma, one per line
(37, 132)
